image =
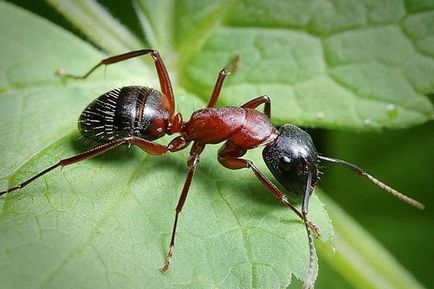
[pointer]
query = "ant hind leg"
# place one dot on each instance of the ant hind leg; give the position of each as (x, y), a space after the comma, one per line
(163, 76)
(147, 146)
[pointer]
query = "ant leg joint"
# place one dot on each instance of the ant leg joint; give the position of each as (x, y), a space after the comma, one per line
(224, 71)
(249, 164)
(177, 144)
(155, 55)
(175, 124)
(193, 160)
(314, 228)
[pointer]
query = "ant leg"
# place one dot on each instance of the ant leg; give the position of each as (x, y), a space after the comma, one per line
(192, 163)
(107, 61)
(147, 146)
(163, 76)
(232, 67)
(239, 163)
(235, 163)
(254, 103)
(177, 144)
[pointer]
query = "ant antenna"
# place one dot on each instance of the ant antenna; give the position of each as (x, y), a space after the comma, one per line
(382, 185)
(309, 279)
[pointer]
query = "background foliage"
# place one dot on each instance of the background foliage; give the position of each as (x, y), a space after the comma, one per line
(363, 53)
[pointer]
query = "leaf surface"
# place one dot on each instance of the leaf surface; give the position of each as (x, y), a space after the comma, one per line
(106, 222)
(347, 64)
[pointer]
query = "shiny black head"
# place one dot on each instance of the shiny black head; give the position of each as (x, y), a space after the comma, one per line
(291, 157)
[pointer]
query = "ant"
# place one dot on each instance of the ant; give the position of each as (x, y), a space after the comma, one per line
(138, 115)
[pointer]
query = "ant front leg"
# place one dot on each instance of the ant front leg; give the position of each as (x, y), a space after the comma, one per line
(254, 103)
(147, 146)
(192, 163)
(236, 163)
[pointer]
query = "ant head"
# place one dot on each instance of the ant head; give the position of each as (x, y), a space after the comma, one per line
(293, 159)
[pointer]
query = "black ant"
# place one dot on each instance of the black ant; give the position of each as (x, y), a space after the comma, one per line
(138, 115)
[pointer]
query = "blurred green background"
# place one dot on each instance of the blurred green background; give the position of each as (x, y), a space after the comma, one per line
(402, 158)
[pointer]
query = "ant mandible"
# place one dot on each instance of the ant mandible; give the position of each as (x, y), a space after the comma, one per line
(138, 115)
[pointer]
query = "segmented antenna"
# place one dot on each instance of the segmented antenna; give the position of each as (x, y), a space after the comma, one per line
(382, 185)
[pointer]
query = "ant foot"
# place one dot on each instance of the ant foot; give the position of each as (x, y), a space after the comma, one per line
(165, 267)
(168, 259)
(315, 229)
(60, 72)
(5, 192)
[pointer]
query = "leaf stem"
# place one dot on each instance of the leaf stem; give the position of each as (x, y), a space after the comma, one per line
(98, 25)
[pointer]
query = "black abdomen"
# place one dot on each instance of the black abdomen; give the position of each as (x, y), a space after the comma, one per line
(123, 112)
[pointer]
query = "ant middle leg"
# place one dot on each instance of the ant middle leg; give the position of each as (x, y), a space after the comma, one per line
(235, 163)
(147, 146)
(254, 103)
(192, 163)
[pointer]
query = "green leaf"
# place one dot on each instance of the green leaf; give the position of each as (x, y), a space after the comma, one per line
(106, 222)
(348, 64)
(359, 258)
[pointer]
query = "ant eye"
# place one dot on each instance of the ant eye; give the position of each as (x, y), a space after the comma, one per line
(285, 163)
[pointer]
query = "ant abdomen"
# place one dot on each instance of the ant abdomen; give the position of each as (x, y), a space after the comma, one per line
(127, 111)
(291, 158)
